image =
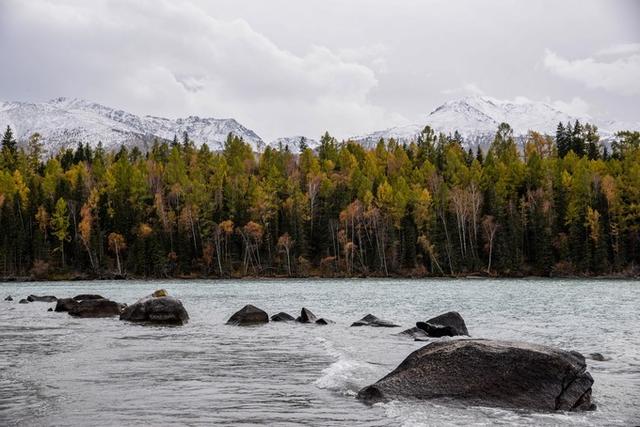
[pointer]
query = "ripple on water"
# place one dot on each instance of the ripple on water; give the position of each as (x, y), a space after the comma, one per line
(55, 369)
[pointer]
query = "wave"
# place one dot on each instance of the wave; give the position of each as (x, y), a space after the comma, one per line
(346, 375)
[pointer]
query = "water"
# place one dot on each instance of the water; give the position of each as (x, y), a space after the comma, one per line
(57, 370)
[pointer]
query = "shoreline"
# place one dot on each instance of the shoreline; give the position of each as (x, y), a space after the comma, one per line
(470, 277)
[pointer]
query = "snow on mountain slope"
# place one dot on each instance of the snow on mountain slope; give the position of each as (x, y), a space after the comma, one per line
(477, 118)
(293, 143)
(64, 122)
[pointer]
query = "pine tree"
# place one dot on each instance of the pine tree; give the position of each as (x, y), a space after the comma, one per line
(9, 149)
(562, 140)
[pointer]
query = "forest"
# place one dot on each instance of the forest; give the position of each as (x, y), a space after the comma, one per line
(563, 205)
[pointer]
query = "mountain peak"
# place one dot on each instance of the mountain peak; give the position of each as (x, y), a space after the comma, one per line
(65, 121)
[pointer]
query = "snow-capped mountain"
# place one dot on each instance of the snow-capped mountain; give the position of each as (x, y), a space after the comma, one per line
(477, 118)
(64, 122)
(292, 143)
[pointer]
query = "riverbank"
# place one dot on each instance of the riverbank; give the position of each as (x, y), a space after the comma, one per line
(72, 277)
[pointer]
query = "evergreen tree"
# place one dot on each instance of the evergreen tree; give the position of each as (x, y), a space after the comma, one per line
(9, 149)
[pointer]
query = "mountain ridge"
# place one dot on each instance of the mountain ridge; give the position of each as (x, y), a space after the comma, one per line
(63, 122)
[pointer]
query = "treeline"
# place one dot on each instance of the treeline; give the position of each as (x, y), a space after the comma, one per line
(551, 206)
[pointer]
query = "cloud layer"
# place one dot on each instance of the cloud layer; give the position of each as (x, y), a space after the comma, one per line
(168, 57)
(620, 75)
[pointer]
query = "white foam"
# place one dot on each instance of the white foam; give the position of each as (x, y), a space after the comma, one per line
(346, 376)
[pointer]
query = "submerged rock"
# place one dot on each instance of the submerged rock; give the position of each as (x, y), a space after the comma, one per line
(449, 324)
(248, 315)
(45, 298)
(487, 372)
(50, 309)
(306, 316)
(598, 357)
(282, 317)
(415, 333)
(65, 304)
(95, 308)
(9, 298)
(83, 297)
(371, 320)
(151, 309)
(23, 301)
(323, 321)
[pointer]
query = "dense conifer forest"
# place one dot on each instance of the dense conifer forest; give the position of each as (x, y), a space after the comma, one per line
(567, 205)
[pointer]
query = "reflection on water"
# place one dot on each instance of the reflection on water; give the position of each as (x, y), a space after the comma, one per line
(55, 369)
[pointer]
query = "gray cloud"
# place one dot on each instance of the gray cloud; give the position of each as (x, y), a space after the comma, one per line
(286, 67)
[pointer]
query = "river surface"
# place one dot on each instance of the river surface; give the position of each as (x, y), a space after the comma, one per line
(59, 370)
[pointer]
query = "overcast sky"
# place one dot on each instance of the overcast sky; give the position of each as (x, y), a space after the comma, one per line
(292, 67)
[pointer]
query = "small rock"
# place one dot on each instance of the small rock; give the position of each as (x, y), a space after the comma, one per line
(9, 298)
(65, 304)
(323, 321)
(371, 320)
(50, 309)
(96, 308)
(416, 333)
(306, 316)
(83, 297)
(160, 293)
(597, 357)
(248, 315)
(282, 317)
(45, 298)
(437, 331)
(162, 310)
(448, 324)
(23, 301)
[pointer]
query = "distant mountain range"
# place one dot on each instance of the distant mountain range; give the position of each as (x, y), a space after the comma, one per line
(477, 118)
(64, 122)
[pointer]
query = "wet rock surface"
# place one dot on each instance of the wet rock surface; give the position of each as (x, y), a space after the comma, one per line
(487, 372)
(248, 315)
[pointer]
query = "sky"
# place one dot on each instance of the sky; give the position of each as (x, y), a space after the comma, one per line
(291, 67)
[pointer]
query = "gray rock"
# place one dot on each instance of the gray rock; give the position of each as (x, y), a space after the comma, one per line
(248, 315)
(491, 373)
(282, 317)
(65, 304)
(9, 298)
(151, 309)
(50, 309)
(371, 320)
(23, 301)
(45, 298)
(436, 331)
(96, 308)
(306, 316)
(448, 324)
(83, 297)
(597, 357)
(415, 333)
(323, 321)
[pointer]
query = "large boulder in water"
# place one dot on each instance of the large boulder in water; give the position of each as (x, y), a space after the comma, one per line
(486, 372)
(371, 320)
(95, 308)
(449, 324)
(45, 298)
(161, 309)
(306, 316)
(282, 317)
(248, 315)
